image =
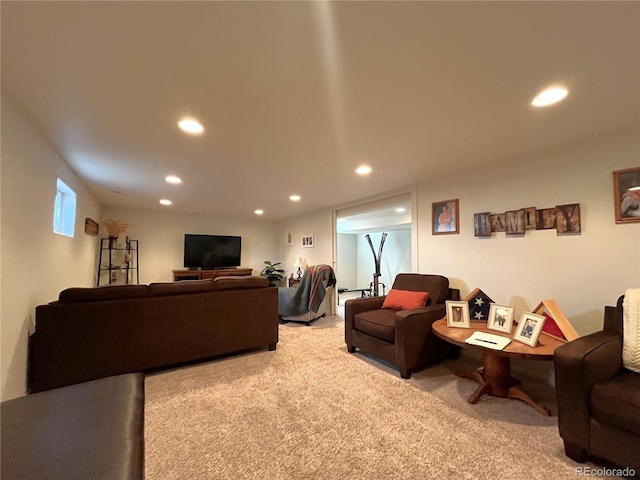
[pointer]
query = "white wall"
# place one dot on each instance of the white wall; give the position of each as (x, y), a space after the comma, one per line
(582, 272)
(396, 257)
(347, 260)
(161, 238)
(36, 263)
(317, 224)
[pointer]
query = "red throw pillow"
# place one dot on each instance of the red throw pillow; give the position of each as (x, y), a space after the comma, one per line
(404, 299)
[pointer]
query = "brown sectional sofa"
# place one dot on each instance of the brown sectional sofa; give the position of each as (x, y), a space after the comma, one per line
(91, 333)
(599, 399)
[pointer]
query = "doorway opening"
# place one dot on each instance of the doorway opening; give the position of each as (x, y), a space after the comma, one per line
(360, 232)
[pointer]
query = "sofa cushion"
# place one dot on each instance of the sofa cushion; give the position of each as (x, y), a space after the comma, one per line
(377, 323)
(181, 287)
(404, 299)
(436, 285)
(240, 282)
(617, 402)
(100, 294)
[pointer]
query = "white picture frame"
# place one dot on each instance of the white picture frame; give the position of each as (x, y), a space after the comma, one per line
(500, 317)
(289, 239)
(458, 314)
(307, 241)
(529, 328)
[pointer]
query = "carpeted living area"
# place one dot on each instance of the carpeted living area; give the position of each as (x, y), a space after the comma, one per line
(310, 410)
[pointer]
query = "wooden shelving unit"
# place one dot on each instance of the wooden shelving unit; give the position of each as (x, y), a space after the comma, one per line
(118, 264)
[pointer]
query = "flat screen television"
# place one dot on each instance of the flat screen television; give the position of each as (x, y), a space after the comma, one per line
(211, 251)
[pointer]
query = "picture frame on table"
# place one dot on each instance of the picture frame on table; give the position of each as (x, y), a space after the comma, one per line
(500, 317)
(626, 195)
(458, 314)
(529, 328)
(445, 217)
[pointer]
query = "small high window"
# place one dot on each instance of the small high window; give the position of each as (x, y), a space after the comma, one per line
(64, 210)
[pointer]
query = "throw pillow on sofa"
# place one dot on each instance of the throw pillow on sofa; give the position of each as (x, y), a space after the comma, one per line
(405, 299)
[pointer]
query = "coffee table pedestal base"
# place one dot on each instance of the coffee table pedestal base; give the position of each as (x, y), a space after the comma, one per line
(495, 379)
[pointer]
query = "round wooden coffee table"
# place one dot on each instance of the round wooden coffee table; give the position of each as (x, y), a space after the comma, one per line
(495, 375)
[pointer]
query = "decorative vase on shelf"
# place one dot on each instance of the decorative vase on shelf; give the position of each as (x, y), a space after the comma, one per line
(113, 242)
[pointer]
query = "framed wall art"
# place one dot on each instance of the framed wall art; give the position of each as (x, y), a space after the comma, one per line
(514, 222)
(529, 218)
(482, 224)
(307, 241)
(568, 219)
(445, 217)
(91, 227)
(458, 314)
(545, 219)
(529, 328)
(500, 317)
(626, 195)
(498, 222)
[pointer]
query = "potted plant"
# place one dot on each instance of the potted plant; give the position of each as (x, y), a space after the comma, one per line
(114, 229)
(273, 273)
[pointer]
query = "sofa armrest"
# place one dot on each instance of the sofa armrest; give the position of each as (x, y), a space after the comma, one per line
(358, 305)
(579, 365)
(417, 316)
(412, 328)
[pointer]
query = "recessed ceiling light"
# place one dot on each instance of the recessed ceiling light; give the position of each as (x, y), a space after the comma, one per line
(549, 96)
(400, 210)
(191, 125)
(363, 170)
(164, 201)
(258, 212)
(294, 198)
(173, 179)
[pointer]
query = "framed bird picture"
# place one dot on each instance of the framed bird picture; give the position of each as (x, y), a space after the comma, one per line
(626, 195)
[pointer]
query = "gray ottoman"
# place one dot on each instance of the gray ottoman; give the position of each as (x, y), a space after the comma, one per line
(88, 431)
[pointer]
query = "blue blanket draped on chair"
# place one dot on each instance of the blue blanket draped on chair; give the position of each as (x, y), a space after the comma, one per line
(308, 294)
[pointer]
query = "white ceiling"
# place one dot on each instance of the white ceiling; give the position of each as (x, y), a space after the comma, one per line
(389, 214)
(295, 95)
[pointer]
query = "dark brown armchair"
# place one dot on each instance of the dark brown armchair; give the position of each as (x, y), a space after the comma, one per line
(598, 399)
(402, 338)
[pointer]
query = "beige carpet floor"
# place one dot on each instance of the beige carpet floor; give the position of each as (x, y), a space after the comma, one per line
(310, 410)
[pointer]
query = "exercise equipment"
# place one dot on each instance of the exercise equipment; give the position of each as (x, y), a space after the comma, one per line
(375, 285)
